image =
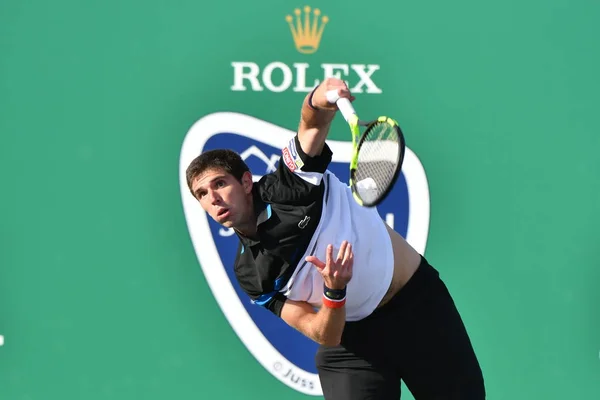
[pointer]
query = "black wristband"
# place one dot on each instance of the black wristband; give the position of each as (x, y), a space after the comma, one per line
(310, 96)
(334, 294)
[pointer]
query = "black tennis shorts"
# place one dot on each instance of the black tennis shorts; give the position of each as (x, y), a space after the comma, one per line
(417, 337)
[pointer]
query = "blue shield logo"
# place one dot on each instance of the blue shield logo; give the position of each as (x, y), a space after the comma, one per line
(280, 349)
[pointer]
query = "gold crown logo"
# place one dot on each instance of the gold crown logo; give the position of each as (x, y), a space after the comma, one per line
(307, 36)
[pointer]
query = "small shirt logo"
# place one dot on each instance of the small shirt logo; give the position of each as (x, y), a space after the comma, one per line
(302, 224)
(288, 160)
(291, 157)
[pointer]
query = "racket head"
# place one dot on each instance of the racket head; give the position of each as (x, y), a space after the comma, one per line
(377, 161)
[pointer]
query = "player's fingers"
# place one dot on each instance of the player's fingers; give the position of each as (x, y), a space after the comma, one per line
(341, 252)
(329, 255)
(332, 82)
(316, 262)
(347, 255)
(350, 261)
(344, 92)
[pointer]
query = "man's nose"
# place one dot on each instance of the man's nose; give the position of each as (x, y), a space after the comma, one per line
(214, 197)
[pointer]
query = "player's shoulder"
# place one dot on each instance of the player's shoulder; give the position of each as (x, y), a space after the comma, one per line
(286, 187)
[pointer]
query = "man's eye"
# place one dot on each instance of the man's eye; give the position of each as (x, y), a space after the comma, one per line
(220, 184)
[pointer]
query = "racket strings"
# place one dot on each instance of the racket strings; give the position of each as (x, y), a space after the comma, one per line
(378, 159)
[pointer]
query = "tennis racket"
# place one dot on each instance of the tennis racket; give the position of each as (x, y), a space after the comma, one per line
(377, 154)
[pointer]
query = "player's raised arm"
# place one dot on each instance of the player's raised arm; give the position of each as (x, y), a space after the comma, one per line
(317, 115)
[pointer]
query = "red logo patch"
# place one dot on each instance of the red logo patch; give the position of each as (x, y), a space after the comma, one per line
(287, 158)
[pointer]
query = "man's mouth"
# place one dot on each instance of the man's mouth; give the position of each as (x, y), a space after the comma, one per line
(222, 213)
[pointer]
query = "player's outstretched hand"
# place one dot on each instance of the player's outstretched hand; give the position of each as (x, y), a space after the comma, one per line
(336, 272)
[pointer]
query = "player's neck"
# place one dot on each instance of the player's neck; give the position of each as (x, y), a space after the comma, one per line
(248, 231)
(248, 228)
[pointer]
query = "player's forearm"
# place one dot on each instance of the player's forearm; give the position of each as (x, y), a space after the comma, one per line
(327, 325)
(314, 127)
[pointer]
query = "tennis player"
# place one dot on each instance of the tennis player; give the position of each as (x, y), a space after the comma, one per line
(336, 272)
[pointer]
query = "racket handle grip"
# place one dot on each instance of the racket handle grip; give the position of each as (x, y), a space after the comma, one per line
(344, 105)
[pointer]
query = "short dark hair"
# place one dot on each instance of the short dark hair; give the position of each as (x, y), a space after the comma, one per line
(224, 159)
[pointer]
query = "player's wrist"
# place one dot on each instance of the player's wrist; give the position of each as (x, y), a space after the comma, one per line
(316, 106)
(314, 114)
(309, 101)
(334, 298)
(334, 291)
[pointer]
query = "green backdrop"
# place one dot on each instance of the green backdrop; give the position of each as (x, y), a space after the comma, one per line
(101, 293)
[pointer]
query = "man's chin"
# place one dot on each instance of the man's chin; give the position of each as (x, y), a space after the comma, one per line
(226, 224)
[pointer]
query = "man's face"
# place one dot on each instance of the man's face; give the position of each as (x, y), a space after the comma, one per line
(223, 197)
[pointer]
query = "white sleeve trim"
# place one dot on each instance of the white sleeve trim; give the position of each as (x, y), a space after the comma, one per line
(310, 177)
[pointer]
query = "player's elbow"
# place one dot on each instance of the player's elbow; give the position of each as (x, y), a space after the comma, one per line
(327, 338)
(330, 342)
(327, 331)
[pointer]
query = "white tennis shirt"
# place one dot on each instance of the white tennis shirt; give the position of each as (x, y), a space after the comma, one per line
(344, 219)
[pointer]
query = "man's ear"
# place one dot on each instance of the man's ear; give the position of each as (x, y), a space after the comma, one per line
(247, 182)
